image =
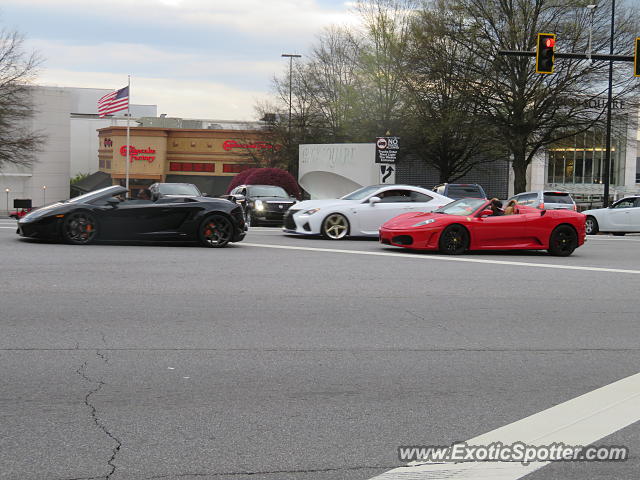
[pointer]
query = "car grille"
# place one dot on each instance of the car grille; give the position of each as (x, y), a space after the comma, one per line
(289, 223)
(275, 206)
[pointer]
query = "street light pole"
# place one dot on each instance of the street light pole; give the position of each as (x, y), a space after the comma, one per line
(7, 190)
(291, 56)
(44, 195)
(607, 159)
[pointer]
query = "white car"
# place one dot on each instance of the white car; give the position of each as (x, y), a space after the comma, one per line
(620, 218)
(361, 212)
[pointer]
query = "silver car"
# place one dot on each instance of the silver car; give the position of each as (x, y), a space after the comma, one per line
(546, 199)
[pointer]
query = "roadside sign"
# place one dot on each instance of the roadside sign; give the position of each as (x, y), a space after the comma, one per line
(387, 149)
(387, 174)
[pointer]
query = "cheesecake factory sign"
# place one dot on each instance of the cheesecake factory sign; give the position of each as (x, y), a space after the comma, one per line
(144, 155)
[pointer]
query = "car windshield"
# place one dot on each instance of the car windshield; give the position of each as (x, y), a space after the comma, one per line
(361, 193)
(464, 191)
(178, 189)
(465, 206)
(103, 192)
(558, 197)
(267, 191)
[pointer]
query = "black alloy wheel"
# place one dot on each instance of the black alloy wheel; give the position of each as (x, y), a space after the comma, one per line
(563, 241)
(216, 231)
(454, 240)
(80, 228)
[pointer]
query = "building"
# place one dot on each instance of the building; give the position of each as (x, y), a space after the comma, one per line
(208, 158)
(68, 117)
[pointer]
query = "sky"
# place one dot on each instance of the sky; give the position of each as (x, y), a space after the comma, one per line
(209, 59)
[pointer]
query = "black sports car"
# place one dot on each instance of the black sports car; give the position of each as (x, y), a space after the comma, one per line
(102, 215)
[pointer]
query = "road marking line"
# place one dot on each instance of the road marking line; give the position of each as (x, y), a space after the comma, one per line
(579, 421)
(12, 228)
(448, 258)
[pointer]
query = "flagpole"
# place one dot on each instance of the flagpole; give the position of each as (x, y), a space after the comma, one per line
(128, 119)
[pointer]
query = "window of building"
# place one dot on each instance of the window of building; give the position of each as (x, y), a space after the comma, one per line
(235, 167)
(192, 167)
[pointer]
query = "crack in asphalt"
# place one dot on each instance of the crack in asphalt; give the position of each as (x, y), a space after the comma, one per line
(278, 472)
(94, 414)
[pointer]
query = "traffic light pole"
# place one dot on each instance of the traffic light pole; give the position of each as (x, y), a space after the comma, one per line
(578, 56)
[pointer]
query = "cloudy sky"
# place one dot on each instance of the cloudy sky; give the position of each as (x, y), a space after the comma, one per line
(193, 58)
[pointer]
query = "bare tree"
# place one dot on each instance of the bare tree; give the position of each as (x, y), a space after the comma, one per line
(532, 110)
(18, 145)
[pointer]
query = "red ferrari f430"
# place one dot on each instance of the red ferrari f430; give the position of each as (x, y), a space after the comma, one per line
(471, 224)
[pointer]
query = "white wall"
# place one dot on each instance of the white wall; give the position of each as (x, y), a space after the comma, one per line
(333, 170)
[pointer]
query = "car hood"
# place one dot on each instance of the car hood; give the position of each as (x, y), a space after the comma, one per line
(326, 203)
(594, 210)
(274, 199)
(410, 219)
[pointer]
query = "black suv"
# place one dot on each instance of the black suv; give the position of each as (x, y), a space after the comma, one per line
(460, 190)
(262, 203)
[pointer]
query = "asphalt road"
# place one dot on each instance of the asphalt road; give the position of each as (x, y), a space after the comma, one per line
(127, 361)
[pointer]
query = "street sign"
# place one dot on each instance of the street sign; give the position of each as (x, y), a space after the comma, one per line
(387, 149)
(387, 174)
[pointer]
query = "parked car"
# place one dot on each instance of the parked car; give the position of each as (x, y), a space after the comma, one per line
(470, 224)
(159, 190)
(457, 191)
(101, 215)
(621, 217)
(361, 212)
(263, 204)
(546, 199)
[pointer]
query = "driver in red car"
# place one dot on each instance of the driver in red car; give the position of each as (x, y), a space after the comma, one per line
(496, 207)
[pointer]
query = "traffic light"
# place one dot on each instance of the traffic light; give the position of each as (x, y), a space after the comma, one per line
(636, 59)
(544, 52)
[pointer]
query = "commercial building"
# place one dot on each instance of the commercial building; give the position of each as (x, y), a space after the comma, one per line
(208, 158)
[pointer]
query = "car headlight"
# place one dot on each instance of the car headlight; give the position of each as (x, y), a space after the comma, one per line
(312, 211)
(258, 205)
(425, 222)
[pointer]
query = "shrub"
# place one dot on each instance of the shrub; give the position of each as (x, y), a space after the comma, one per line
(240, 178)
(274, 176)
(266, 176)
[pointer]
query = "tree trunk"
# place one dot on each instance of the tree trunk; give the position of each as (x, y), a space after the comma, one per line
(520, 170)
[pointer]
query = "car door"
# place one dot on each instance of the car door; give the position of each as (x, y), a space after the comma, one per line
(634, 217)
(165, 216)
(392, 203)
(504, 231)
(124, 220)
(620, 215)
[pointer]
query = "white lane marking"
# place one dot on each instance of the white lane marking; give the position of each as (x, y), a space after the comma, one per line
(445, 258)
(579, 421)
(12, 228)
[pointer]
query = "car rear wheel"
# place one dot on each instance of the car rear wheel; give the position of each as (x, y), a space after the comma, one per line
(335, 227)
(563, 241)
(591, 225)
(454, 240)
(216, 231)
(80, 228)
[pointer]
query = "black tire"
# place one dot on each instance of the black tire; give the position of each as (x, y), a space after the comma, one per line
(619, 234)
(215, 231)
(335, 227)
(563, 241)
(80, 228)
(454, 240)
(591, 225)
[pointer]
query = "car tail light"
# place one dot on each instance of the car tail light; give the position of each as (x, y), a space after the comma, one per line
(575, 207)
(541, 207)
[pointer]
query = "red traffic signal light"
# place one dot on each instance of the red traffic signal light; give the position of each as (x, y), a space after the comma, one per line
(545, 52)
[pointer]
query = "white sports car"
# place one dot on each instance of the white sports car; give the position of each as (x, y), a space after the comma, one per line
(361, 212)
(620, 218)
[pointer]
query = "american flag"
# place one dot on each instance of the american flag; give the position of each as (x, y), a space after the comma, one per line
(114, 102)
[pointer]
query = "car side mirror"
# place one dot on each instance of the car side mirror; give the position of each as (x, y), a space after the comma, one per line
(239, 198)
(204, 194)
(113, 201)
(374, 200)
(486, 213)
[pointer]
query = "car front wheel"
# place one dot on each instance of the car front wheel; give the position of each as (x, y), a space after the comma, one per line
(335, 227)
(563, 241)
(454, 240)
(591, 225)
(216, 231)
(80, 228)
